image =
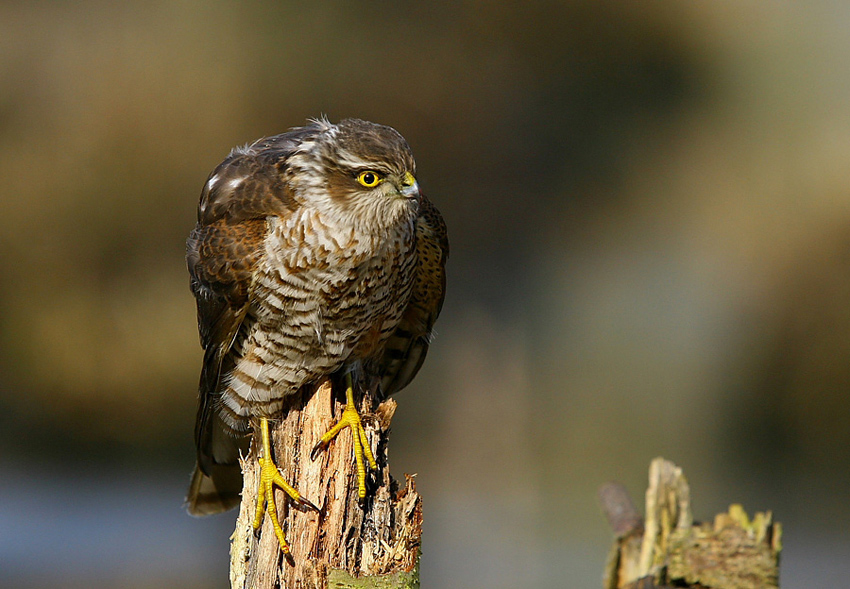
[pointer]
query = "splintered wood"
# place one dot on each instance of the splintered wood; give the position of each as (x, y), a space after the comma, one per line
(668, 550)
(347, 544)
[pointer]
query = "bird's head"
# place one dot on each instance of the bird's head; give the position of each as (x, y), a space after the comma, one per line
(356, 172)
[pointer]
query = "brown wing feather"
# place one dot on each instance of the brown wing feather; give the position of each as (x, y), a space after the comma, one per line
(221, 259)
(222, 253)
(406, 348)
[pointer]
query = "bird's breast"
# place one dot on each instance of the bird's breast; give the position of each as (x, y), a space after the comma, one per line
(320, 298)
(338, 291)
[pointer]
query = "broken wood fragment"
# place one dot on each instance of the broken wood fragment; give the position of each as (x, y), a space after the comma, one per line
(666, 549)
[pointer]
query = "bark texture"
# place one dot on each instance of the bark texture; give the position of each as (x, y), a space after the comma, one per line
(666, 549)
(346, 545)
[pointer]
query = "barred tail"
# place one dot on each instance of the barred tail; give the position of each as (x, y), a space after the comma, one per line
(403, 357)
(214, 493)
(217, 479)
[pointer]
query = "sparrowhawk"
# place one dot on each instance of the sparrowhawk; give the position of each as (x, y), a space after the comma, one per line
(315, 254)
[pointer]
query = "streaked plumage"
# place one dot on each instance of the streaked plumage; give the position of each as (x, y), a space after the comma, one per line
(301, 271)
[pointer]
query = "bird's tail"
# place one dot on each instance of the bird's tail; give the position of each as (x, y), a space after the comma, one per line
(217, 480)
(214, 492)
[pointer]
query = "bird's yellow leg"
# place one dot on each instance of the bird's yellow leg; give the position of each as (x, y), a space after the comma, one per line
(269, 477)
(351, 419)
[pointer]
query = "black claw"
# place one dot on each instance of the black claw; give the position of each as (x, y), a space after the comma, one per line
(365, 503)
(309, 504)
(315, 452)
(288, 556)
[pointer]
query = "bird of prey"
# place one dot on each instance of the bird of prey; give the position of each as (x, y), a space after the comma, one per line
(315, 254)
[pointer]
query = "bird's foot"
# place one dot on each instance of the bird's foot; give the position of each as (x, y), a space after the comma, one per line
(362, 450)
(269, 478)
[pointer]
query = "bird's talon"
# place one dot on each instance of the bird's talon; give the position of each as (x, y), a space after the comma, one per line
(308, 504)
(270, 477)
(362, 450)
(316, 449)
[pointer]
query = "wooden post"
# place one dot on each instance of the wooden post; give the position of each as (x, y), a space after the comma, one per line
(346, 545)
(666, 549)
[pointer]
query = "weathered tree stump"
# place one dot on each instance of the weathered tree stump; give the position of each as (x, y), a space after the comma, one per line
(347, 544)
(668, 550)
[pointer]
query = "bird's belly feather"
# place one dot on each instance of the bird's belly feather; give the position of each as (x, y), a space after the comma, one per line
(307, 324)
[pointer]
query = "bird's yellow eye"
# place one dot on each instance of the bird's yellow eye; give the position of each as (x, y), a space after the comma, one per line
(369, 178)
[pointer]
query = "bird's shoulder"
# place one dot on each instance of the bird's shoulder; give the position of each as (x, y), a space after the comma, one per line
(431, 228)
(407, 346)
(237, 202)
(250, 183)
(432, 251)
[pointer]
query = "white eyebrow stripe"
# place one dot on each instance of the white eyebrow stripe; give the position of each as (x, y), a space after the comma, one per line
(349, 160)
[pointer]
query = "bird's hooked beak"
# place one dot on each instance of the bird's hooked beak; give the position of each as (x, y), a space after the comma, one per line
(410, 187)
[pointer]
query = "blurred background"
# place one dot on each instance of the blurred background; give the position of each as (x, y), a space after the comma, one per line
(649, 210)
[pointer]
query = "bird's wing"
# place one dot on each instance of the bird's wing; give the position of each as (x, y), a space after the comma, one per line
(222, 253)
(406, 348)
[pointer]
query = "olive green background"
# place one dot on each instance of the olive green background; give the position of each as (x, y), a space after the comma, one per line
(649, 210)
